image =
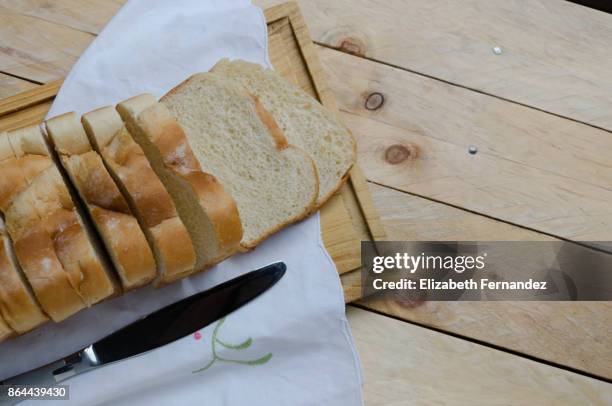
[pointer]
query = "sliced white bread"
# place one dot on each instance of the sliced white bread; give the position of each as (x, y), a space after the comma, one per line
(77, 248)
(18, 305)
(208, 211)
(302, 119)
(145, 193)
(125, 241)
(236, 140)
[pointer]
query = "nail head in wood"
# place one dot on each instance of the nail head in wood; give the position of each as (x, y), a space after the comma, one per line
(473, 149)
(497, 50)
(374, 101)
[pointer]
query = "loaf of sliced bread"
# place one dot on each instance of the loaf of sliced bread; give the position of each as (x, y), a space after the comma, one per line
(236, 140)
(208, 211)
(144, 192)
(18, 306)
(302, 119)
(125, 241)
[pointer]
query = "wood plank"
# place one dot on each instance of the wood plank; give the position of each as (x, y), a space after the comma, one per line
(84, 15)
(36, 49)
(10, 85)
(25, 117)
(555, 54)
(532, 168)
(35, 95)
(578, 335)
(406, 364)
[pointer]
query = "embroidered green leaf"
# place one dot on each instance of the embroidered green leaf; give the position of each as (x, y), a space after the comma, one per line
(240, 346)
(261, 360)
(246, 344)
(210, 364)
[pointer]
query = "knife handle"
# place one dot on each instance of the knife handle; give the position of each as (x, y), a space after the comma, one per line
(54, 373)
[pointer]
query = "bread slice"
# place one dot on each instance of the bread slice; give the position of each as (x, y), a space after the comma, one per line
(207, 210)
(18, 306)
(111, 215)
(302, 119)
(144, 192)
(236, 140)
(41, 221)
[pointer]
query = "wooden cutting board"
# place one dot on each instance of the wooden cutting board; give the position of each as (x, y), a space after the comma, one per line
(348, 218)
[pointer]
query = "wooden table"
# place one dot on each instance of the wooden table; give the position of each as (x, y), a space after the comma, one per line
(529, 84)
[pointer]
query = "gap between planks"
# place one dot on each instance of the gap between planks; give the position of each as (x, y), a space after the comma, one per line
(425, 75)
(483, 343)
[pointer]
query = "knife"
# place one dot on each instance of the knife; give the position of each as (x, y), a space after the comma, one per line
(159, 328)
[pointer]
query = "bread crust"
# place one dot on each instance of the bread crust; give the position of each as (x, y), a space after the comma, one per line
(20, 159)
(120, 231)
(34, 248)
(27, 161)
(18, 306)
(130, 168)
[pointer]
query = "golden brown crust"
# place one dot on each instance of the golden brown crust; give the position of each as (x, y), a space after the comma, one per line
(120, 230)
(30, 209)
(94, 183)
(18, 307)
(58, 216)
(220, 207)
(148, 195)
(55, 208)
(20, 161)
(128, 244)
(176, 247)
(36, 254)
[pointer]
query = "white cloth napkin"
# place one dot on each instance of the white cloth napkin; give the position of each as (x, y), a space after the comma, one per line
(290, 346)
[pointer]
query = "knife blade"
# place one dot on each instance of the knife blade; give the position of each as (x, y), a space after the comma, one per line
(159, 328)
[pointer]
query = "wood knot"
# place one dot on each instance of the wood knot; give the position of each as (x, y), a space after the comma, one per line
(398, 153)
(374, 101)
(410, 300)
(352, 46)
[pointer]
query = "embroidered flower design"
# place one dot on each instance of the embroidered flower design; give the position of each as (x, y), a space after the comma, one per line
(235, 347)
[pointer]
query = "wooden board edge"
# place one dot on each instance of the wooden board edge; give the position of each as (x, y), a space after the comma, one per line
(29, 98)
(358, 182)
